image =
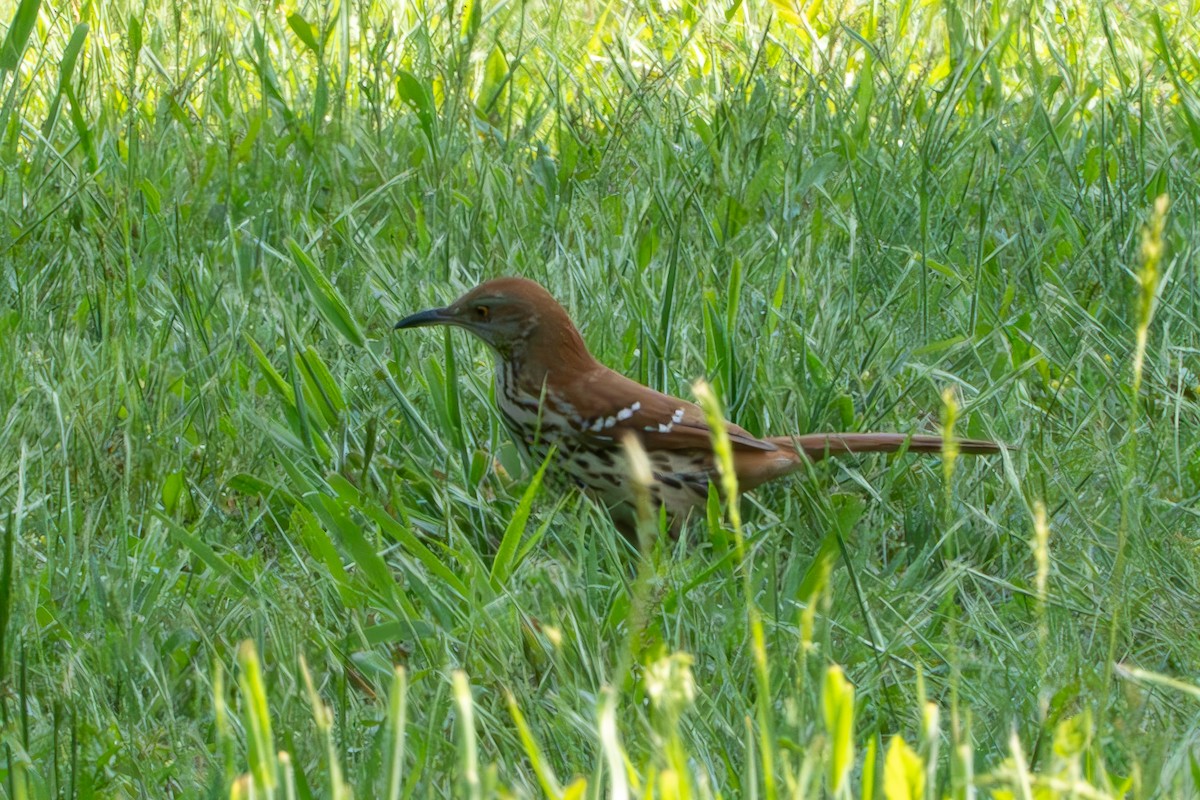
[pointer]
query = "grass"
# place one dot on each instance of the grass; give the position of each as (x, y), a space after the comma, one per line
(257, 544)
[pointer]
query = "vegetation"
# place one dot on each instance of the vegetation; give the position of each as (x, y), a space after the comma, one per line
(254, 543)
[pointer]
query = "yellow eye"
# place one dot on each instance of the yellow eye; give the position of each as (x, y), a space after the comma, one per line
(482, 313)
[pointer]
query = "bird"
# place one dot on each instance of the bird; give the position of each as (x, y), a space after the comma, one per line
(555, 396)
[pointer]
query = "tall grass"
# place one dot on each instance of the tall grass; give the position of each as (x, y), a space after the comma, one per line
(255, 543)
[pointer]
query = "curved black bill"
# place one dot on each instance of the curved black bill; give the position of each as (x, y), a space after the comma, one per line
(434, 316)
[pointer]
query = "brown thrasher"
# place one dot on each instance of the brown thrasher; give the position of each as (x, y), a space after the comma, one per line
(551, 391)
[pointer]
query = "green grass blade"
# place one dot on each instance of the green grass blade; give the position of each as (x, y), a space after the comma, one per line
(304, 31)
(397, 717)
(417, 549)
(66, 68)
(351, 537)
(543, 770)
(505, 561)
(325, 296)
(261, 752)
(22, 25)
(202, 550)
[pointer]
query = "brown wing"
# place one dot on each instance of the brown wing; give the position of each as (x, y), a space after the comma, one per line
(616, 404)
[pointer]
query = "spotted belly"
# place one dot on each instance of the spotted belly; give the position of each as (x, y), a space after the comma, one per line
(586, 457)
(680, 480)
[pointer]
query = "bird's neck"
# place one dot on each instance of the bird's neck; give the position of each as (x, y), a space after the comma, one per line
(551, 358)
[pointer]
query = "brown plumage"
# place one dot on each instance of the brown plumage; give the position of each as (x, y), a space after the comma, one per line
(551, 391)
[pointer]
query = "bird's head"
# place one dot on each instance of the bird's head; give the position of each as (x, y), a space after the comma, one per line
(515, 316)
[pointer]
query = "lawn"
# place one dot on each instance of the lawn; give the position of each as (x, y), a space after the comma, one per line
(255, 543)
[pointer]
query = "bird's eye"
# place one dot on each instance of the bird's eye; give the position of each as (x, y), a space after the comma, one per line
(482, 313)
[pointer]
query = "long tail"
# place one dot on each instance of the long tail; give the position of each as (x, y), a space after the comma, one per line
(819, 445)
